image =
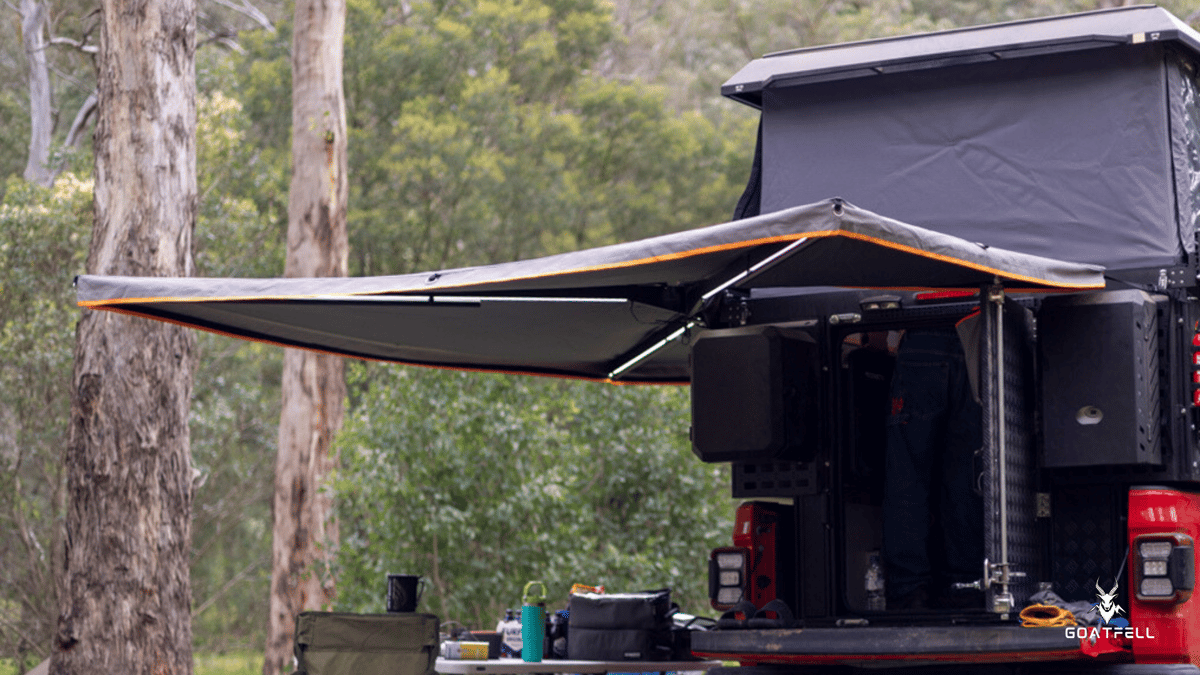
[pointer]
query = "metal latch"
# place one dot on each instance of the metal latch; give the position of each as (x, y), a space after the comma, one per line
(999, 575)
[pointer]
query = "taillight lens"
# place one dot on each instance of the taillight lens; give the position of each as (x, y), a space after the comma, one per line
(727, 575)
(1165, 567)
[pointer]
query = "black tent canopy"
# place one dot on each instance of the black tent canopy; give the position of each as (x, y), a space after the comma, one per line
(615, 313)
(1075, 137)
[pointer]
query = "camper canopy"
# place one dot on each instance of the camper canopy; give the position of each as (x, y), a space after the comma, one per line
(616, 313)
(1075, 137)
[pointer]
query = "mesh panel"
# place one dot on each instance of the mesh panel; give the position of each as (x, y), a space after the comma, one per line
(1023, 548)
(1087, 546)
(773, 479)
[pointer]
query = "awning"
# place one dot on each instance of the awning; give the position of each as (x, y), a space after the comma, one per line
(588, 313)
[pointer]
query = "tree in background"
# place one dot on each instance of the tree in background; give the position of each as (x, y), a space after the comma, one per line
(124, 592)
(33, 29)
(235, 406)
(305, 534)
(57, 81)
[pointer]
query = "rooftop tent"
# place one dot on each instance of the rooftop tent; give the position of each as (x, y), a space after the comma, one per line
(618, 313)
(1076, 137)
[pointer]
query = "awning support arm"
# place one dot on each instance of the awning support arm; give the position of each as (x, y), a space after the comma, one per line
(691, 321)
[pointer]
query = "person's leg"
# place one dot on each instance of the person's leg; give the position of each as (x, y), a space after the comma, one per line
(913, 433)
(962, 515)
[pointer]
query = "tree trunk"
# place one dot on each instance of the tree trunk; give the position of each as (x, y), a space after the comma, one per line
(41, 118)
(305, 533)
(124, 592)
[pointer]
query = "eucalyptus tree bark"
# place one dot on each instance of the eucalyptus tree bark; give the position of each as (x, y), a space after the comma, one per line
(41, 118)
(124, 591)
(305, 531)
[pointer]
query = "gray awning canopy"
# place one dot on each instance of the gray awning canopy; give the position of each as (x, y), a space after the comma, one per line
(587, 313)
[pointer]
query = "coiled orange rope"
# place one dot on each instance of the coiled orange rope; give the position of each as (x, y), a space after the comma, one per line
(1046, 616)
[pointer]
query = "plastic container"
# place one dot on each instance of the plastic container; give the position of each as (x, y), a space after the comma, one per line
(509, 629)
(874, 583)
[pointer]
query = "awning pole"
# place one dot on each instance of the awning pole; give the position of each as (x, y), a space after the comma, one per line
(1002, 601)
(650, 352)
(754, 269)
(691, 322)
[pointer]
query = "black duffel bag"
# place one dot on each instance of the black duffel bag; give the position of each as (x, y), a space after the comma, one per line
(620, 626)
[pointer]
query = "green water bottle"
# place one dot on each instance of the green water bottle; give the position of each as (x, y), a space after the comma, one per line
(533, 622)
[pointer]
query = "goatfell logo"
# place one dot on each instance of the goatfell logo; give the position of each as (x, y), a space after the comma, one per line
(1108, 606)
(1112, 625)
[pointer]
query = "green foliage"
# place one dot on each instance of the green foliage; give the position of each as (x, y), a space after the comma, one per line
(263, 83)
(234, 419)
(241, 224)
(43, 236)
(644, 170)
(14, 132)
(483, 482)
(477, 135)
(235, 399)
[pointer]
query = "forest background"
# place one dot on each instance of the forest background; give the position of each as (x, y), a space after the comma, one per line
(481, 131)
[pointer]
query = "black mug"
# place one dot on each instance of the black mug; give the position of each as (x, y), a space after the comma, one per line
(403, 592)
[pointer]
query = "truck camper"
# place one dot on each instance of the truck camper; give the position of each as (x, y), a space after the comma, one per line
(1026, 195)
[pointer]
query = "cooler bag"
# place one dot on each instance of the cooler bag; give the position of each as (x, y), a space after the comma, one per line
(335, 643)
(620, 627)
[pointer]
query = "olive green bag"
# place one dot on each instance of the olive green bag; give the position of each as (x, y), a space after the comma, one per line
(335, 643)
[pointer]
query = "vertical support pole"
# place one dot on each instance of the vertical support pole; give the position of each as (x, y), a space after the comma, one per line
(1002, 599)
(1009, 534)
(995, 579)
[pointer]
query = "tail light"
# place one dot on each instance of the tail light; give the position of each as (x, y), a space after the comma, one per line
(728, 571)
(753, 569)
(1163, 524)
(1164, 567)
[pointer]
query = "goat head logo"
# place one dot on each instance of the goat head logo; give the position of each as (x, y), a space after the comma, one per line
(1108, 602)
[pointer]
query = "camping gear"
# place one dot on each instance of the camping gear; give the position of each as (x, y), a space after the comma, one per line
(620, 626)
(338, 643)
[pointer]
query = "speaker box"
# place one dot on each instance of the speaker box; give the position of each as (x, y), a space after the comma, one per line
(1101, 393)
(754, 396)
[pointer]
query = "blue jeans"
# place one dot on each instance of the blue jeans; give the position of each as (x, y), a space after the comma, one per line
(933, 434)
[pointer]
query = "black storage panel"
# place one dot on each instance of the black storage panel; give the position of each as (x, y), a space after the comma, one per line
(754, 396)
(1101, 392)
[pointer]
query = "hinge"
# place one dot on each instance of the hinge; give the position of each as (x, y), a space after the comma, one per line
(1043, 505)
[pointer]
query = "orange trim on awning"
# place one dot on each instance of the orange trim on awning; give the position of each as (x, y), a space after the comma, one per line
(94, 304)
